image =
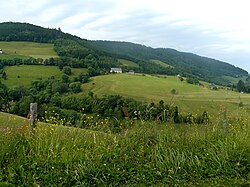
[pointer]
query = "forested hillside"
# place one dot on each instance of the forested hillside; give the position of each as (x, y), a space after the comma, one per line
(102, 55)
(187, 64)
(10, 31)
(96, 128)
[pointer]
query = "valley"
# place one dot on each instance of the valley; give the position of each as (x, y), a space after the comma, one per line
(169, 119)
(189, 97)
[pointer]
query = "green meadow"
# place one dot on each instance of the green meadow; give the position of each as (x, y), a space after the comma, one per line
(12, 56)
(23, 75)
(158, 62)
(188, 97)
(128, 63)
(27, 49)
(142, 154)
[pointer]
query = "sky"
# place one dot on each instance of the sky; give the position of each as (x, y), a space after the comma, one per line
(218, 29)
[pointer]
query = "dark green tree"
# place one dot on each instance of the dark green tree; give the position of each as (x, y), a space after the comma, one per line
(240, 86)
(4, 99)
(60, 87)
(75, 87)
(67, 70)
(16, 93)
(65, 78)
(4, 75)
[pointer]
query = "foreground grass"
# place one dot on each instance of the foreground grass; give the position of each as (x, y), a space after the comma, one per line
(145, 154)
(30, 49)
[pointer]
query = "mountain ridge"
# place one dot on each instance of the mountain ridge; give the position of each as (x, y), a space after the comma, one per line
(191, 64)
(184, 63)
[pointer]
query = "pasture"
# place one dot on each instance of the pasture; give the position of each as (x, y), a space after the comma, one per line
(158, 62)
(23, 75)
(12, 56)
(143, 154)
(28, 49)
(188, 97)
(128, 63)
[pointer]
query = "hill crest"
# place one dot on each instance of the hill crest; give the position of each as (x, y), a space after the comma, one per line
(186, 64)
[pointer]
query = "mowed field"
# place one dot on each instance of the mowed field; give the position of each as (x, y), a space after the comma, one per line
(190, 98)
(27, 49)
(23, 75)
(158, 62)
(128, 63)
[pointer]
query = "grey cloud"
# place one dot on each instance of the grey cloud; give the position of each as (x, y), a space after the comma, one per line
(109, 20)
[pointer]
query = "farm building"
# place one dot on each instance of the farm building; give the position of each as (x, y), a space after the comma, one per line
(1, 51)
(131, 72)
(212, 86)
(116, 70)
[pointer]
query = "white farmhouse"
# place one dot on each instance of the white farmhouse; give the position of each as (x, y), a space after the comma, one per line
(116, 70)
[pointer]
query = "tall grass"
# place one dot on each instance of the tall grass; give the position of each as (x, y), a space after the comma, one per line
(147, 154)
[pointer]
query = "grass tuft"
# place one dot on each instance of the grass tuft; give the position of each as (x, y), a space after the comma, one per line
(145, 154)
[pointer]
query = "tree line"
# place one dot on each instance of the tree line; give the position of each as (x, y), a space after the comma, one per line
(104, 54)
(242, 86)
(54, 95)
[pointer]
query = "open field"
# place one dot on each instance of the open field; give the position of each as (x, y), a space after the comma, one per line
(12, 56)
(234, 80)
(128, 63)
(145, 154)
(28, 49)
(25, 74)
(160, 63)
(189, 97)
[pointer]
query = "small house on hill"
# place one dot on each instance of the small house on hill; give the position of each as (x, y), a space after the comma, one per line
(132, 72)
(212, 86)
(116, 70)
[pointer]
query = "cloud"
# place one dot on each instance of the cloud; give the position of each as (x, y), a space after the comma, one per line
(217, 29)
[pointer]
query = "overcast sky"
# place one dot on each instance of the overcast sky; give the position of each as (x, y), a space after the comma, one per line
(218, 29)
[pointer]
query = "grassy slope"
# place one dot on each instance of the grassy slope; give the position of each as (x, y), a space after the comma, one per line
(10, 120)
(12, 56)
(161, 63)
(29, 73)
(128, 63)
(30, 49)
(190, 97)
(148, 154)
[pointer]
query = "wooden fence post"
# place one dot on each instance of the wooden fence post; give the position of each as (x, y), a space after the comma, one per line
(33, 115)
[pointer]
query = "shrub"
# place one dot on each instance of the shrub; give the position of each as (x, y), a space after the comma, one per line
(75, 87)
(67, 70)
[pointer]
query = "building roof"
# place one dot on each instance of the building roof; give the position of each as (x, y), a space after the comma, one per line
(116, 69)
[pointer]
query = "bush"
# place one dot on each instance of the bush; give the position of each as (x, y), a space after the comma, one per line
(67, 70)
(192, 80)
(75, 87)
